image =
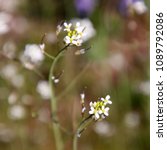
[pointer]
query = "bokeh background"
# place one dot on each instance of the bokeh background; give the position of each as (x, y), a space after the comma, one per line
(117, 64)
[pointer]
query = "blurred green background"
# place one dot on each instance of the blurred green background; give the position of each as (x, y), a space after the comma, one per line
(117, 64)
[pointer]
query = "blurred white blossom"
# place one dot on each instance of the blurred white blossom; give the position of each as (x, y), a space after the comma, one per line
(43, 89)
(10, 72)
(5, 18)
(18, 80)
(144, 87)
(16, 112)
(9, 49)
(9, 5)
(103, 128)
(139, 7)
(6, 134)
(117, 61)
(12, 98)
(132, 119)
(32, 56)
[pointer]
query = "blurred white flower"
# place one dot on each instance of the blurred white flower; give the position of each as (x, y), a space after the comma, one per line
(144, 87)
(139, 7)
(5, 18)
(89, 30)
(117, 61)
(9, 71)
(16, 112)
(9, 5)
(12, 98)
(18, 80)
(132, 119)
(51, 37)
(6, 134)
(32, 56)
(9, 49)
(103, 128)
(43, 89)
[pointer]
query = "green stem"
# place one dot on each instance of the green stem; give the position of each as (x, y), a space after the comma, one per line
(82, 126)
(75, 141)
(56, 128)
(48, 55)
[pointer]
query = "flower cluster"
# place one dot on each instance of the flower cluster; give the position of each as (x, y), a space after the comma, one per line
(74, 34)
(98, 109)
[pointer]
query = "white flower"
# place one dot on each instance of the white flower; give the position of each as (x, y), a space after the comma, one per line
(12, 98)
(106, 100)
(16, 112)
(10, 72)
(77, 42)
(98, 109)
(4, 23)
(104, 110)
(68, 40)
(144, 87)
(32, 55)
(74, 35)
(132, 119)
(67, 26)
(92, 104)
(85, 27)
(104, 128)
(94, 112)
(43, 89)
(140, 7)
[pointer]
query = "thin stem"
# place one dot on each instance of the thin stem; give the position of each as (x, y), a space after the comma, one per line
(56, 128)
(75, 142)
(82, 126)
(48, 55)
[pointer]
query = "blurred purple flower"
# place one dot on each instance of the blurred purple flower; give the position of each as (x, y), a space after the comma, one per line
(85, 7)
(129, 6)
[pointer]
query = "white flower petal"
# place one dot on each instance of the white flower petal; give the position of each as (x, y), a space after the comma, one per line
(107, 97)
(107, 109)
(102, 99)
(96, 116)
